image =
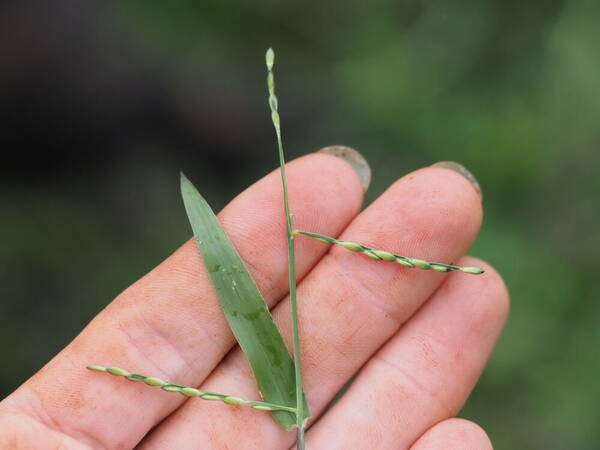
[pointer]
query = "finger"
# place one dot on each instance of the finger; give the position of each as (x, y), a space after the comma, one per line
(453, 434)
(425, 373)
(349, 305)
(170, 323)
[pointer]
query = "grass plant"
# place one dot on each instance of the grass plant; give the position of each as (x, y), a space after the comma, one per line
(277, 373)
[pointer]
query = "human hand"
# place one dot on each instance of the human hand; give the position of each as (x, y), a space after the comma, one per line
(420, 339)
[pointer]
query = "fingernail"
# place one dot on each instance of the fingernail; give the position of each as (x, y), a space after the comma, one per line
(355, 159)
(463, 171)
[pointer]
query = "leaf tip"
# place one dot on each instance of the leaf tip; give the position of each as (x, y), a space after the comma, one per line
(185, 183)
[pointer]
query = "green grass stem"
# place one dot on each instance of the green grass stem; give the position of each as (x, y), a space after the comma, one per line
(273, 104)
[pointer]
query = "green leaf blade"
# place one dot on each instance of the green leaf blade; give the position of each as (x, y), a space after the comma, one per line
(244, 307)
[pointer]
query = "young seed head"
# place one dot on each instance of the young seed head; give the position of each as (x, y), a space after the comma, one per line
(273, 102)
(420, 263)
(190, 392)
(271, 82)
(152, 381)
(404, 262)
(382, 255)
(371, 254)
(270, 59)
(117, 371)
(275, 119)
(473, 270)
(171, 388)
(439, 268)
(352, 246)
(136, 377)
(386, 256)
(231, 400)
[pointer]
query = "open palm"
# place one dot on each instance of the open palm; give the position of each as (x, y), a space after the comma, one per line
(418, 341)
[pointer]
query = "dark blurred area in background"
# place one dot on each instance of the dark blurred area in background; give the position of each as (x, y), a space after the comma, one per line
(102, 103)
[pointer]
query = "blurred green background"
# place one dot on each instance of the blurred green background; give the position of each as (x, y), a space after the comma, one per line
(101, 103)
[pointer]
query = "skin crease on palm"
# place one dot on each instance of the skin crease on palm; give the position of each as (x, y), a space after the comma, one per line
(419, 338)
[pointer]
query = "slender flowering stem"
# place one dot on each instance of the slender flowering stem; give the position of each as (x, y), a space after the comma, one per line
(382, 255)
(273, 104)
(190, 391)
